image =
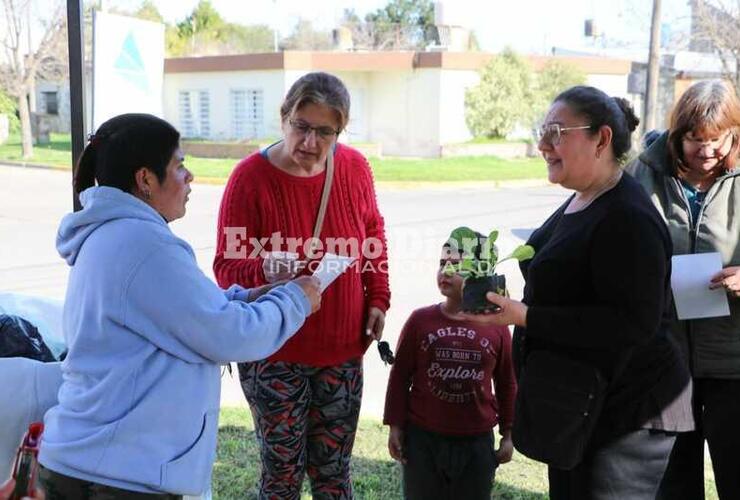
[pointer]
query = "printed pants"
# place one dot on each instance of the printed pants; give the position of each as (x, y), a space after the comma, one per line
(305, 420)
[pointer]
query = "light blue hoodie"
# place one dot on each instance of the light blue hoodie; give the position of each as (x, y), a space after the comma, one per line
(146, 331)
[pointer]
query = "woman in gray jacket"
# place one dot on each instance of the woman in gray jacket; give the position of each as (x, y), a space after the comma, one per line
(689, 172)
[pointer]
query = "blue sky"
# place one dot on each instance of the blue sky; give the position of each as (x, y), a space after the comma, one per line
(525, 25)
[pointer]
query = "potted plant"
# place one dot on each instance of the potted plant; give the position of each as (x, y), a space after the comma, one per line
(477, 258)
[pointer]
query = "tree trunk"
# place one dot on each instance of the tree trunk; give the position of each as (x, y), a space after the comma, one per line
(26, 135)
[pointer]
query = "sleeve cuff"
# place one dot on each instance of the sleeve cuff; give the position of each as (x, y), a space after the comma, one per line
(382, 304)
(299, 296)
(236, 292)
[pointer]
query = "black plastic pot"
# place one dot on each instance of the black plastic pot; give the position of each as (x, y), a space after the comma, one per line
(475, 290)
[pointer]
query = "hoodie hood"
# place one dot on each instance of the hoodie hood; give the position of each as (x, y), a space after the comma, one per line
(656, 155)
(100, 204)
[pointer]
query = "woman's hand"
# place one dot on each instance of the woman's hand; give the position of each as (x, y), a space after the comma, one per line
(375, 323)
(257, 292)
(729, 278)
(6, 490)
(311, 286)
(512, 312)
(505, 448)
(279, 266)
(395, 443)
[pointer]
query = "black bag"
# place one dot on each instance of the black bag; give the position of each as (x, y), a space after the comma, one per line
(558, 403)
(19, 338)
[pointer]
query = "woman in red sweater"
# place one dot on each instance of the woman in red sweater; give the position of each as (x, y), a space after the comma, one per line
(440, 404)
(305, 399)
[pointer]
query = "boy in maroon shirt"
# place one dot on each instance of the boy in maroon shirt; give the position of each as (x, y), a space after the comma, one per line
(440, 405)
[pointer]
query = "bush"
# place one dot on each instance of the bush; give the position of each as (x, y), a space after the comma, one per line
(8, 107)
(504, 97)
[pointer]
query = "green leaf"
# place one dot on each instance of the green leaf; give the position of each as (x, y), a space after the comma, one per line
(520, 253)
(493, 236)
(450, 269)
(464, 240)
(489, 252)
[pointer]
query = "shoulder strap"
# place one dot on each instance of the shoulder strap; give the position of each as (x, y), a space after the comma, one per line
(324, 198)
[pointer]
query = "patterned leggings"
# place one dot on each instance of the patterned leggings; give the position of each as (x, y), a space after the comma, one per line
(305, 420)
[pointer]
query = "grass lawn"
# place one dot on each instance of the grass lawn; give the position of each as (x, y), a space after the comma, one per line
(375, 475)
(58, 153)
(486, 168)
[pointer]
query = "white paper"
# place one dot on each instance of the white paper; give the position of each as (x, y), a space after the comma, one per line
(690, 283)
(331, 267)
(284, 255)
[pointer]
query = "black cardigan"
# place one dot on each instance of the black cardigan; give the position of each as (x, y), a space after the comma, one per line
(598, 290)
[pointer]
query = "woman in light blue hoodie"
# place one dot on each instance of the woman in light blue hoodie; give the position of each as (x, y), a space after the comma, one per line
(147, 331)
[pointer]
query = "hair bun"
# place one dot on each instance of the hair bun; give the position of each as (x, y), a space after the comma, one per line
(629, 113)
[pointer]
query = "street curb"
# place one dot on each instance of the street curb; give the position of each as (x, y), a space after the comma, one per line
(26, 164)
(384, 185)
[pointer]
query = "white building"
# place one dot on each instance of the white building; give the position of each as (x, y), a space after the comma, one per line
(410, 103)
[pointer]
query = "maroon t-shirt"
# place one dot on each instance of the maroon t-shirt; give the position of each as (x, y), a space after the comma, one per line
(441, 380)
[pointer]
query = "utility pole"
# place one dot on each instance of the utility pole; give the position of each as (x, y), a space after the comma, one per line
(75, 30)
(275, 21)
(653, 71)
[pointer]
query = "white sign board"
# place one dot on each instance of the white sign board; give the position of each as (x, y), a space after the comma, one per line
(128, 66)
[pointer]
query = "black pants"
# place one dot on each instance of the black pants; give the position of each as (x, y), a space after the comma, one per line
(628, 468)
(717, 414)
(60, 487)
(440, 467)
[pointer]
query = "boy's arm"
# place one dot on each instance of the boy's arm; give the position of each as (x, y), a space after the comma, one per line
(399, 381)
(505, 447)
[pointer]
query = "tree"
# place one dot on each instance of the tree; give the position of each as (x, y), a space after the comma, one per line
(27, 61)
(149, 11)
(403, 24)
(716, 26)
(305, 37)
(504, 98)
(205, 32)
(555, 77)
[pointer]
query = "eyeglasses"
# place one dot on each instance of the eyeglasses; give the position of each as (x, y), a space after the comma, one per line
(323, 132)
(553, 132)
(717, 144)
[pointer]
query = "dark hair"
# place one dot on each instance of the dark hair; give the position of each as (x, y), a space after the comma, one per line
(600, 110)
(710, 106)
(318, 88)
(123, 145)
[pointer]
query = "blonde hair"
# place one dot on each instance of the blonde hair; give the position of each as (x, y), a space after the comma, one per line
(318, 88)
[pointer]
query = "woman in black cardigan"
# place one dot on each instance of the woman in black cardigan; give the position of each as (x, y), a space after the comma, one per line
(597, 292)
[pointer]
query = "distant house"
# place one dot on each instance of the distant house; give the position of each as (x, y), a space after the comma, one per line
(410, 103)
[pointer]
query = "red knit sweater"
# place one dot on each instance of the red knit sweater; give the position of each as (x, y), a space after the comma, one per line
(265, 200)
(441, 380)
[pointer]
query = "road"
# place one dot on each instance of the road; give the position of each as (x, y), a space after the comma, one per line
(418, 220)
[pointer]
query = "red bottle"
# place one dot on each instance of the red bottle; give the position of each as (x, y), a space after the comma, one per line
(26, 467)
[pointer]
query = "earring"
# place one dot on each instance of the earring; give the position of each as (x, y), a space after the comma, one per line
(148, 194)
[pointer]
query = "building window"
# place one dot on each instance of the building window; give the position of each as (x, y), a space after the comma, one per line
(51, 103)
(246, 113)
(195, 113)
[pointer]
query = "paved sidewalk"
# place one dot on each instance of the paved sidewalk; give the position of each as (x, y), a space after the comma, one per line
(32, 202)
